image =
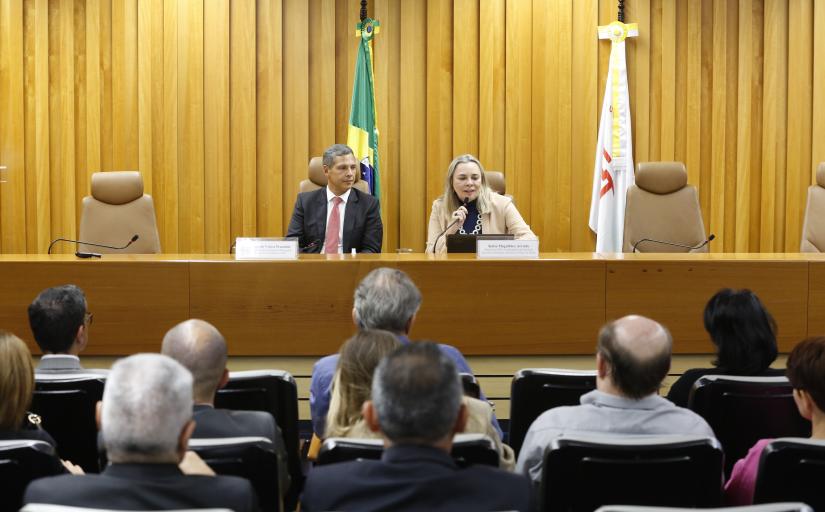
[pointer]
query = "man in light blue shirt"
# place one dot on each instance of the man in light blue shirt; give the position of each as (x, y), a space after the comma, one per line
(385, 299)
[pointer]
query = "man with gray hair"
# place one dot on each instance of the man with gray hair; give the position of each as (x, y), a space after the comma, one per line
(417, 407)
(146, 420)
(632, 360)
(337, 218)
(201, 349)
(385, 299)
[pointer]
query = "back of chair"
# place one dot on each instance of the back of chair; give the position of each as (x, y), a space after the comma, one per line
(22, 461)
(813, 228)
(67, 406)
(116, 210)
(468, 449)
(275, 392)
(496, 181)
(772, 507)
(470, 385)
(792, 469)
(252, 458)
(46, 507)
(535, 390)
(662, 206)
(582, 473)
(743, 410)
(317, 179)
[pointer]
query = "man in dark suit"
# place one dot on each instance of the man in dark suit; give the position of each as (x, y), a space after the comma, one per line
(201, 349)
(416, 406)
(146, 419)
(337, 218)
(60, 324)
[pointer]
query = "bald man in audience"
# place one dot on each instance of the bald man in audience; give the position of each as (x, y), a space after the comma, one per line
(632, 360)
(201, 349)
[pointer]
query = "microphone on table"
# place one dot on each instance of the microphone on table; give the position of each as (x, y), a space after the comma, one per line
(310, 246)
(465, 201)
(81, 254)
(692, 248)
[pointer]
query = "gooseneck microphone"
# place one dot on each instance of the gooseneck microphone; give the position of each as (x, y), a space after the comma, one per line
(80, 254)
(692, 248)
(465, 202)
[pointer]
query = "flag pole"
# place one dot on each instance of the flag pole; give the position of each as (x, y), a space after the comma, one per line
(363, 10)
(620, 16)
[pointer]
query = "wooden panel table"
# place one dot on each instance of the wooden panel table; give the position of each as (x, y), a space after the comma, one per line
(554, 305)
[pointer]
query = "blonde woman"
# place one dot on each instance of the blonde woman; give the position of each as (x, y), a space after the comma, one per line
(469, 206)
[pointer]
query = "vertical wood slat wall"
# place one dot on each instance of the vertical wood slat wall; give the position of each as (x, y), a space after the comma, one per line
(220, 104)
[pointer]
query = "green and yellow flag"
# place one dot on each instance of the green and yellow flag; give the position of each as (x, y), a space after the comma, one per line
(362, 133)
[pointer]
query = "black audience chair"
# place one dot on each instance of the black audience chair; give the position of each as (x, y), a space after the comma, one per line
(792, 469)
(22, 461)
(468, 449)
(582, 473)
(771, 507)
(45, 507)
(535, 390)
(470, 385)
(67, 404)
(252, 458)
(743, 410)
(275, 392)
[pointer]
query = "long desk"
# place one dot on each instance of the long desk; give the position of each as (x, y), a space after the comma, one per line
(554, 305)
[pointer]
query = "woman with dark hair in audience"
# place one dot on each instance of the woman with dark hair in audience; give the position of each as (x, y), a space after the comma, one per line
(806, 372)
(744, 334)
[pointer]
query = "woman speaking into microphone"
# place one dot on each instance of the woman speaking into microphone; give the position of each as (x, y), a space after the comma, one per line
(469, 206)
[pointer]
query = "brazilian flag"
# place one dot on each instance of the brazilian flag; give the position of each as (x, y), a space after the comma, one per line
(362, 132)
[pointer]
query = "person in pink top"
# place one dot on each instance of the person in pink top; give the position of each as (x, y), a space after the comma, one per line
(806, 372)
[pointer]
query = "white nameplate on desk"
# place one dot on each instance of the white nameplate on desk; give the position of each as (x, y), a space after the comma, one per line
(266, 248)
(507, 249)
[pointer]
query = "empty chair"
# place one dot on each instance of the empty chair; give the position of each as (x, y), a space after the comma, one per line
(792, 469)
(317, 179)
(117, 210)
(582, 473)
(252, 458)
(273, 391)
(743, 410)
(771, 507)
(468, 449)
(535, 390)
(66, 404)
(813, 228)
(662, 206)
(22, 461)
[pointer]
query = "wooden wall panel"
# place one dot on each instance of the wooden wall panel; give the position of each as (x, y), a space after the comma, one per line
(221, 104)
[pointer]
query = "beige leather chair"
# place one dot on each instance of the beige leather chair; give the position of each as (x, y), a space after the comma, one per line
(117, 210)
(813, 229)
(495, 180)
(317, 179)
(662, 206)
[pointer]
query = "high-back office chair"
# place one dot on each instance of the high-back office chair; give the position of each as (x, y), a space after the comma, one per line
(662, 206)
(117, 210)
(792, 469)
(66, 404)
(252, 458)
(496, 181)
(743, 410)
(275, 392)
(770, 507)
(22, 461)
(317, 179)
(468, 449)
(813, 229)
(582, 473)
(535, 390)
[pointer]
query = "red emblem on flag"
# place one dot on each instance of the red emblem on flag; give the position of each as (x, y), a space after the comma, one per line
(606, 176)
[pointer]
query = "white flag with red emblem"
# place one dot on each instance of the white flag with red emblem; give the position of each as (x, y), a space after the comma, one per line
(613, 169)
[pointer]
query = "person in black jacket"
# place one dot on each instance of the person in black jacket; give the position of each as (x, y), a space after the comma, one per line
(744, 334)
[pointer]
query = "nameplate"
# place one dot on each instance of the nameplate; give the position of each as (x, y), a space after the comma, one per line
(266, 248)
(507, 249)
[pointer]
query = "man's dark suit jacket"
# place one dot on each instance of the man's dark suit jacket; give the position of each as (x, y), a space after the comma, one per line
(144, 487)
(413, 478)
(363, 230)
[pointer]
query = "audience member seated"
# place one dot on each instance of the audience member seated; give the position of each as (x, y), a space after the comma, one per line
(806, 372)
(385, 299)
(146, 419)
(60, 324)
(632, 360)
(417, 407)
(744, 334)
(201, 349)
(359, 356)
